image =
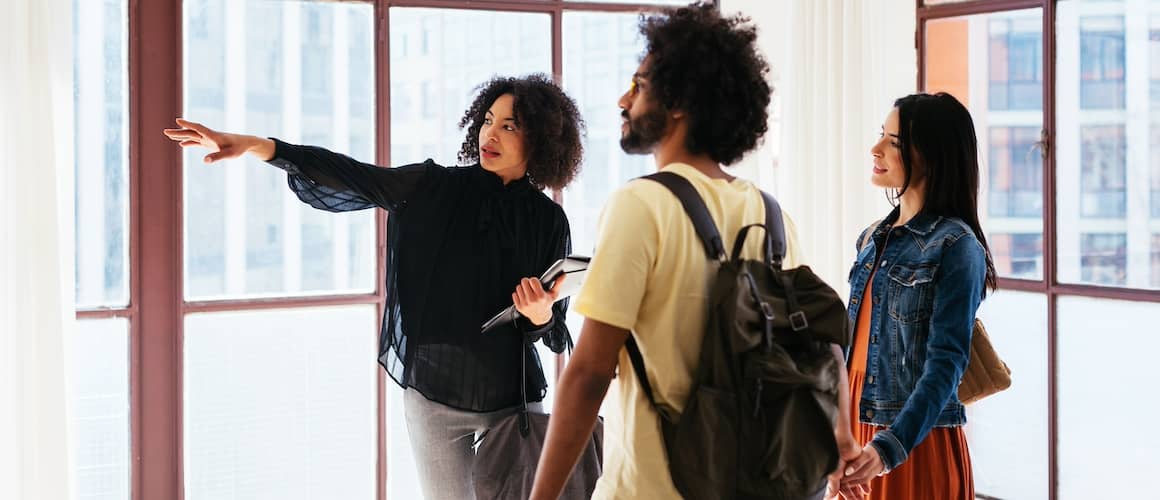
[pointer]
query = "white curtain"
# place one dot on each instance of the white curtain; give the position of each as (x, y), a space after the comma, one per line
(838, 66)
(36, 247)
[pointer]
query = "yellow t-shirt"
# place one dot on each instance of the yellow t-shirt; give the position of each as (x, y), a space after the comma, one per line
(649, 274)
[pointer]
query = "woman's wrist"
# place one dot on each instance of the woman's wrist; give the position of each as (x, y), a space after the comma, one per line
(260, 147)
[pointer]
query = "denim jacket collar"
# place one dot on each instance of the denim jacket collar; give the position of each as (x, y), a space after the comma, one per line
(921, 224)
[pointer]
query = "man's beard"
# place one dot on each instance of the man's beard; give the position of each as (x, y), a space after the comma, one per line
(644, 131)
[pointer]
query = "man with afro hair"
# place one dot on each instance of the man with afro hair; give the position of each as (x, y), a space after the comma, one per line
(697, 102)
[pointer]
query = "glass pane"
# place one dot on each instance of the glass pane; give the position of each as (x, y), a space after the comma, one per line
(993, 63)
(281, 404)
(1095, 336)
(1156, 260)
(301, 71)
(100, 65)
(1107, 141)
(1007, 432)
(99, 409)
(437, 61)
(601, 52)
(402, 475)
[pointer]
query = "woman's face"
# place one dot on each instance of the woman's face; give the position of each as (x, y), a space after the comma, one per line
(888, 171)
(501, 141)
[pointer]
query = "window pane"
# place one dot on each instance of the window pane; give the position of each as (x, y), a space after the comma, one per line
(1102, 168)
(1007, 432)
(99, 409)
(1096, 335)
(601, 52)
(437, 61)
(993, 63)
(281, 404)
(1156, 260)
(1107, 143)
(300, 71)
(100, 66)
(1101, 61)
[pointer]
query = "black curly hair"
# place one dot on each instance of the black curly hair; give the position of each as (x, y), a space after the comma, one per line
(550, 122)
(708, 66)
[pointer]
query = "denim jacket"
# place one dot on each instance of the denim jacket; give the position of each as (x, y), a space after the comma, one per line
(925, 294)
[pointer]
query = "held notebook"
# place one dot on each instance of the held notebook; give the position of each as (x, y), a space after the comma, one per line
(575, 266)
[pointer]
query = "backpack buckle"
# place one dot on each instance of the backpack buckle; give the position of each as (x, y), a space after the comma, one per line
(798, 321)
(767, 311)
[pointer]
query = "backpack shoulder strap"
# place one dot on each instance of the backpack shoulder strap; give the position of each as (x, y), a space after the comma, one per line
(638, 366)
(775, 244)
(696, 209)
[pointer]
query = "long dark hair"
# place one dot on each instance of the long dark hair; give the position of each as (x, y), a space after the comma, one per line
(939, 129)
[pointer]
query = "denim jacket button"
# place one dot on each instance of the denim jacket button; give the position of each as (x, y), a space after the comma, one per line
(870, 380)
(869, 413)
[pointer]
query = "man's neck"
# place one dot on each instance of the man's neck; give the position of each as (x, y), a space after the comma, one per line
(672, 150)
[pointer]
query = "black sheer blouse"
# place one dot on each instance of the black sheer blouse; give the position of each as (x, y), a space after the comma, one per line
(458, 243)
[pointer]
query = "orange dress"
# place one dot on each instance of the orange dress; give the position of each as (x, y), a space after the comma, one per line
(939, 468)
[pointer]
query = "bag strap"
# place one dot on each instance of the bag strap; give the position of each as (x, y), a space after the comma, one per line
(694, 205)
(869, 234)
(525, 420)
(698, 213)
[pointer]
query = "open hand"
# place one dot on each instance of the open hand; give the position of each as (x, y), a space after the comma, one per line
(222, 146)
(534, 302)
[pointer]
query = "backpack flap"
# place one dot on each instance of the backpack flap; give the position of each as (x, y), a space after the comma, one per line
(804, 307)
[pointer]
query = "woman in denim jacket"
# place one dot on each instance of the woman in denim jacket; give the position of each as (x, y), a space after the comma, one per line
(922, 272)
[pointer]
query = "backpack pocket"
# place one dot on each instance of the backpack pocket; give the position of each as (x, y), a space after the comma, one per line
(702, 444)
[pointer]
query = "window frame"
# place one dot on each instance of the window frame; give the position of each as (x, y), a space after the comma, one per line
(1049, 285)
(157, 307)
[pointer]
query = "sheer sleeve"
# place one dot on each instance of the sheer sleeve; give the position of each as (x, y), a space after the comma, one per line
(338, 183)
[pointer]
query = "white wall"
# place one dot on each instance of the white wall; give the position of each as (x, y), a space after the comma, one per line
(838, 65)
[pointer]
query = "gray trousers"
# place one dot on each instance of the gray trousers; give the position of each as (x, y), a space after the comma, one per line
(442, 440)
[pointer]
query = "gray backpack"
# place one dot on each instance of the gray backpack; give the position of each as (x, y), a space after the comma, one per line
(759, 422)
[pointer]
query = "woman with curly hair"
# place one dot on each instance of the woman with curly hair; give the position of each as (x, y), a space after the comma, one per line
(460, 240)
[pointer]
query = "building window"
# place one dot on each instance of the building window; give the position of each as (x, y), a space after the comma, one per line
(1016, 65)
(1154, 66)
(1016, 176)
(1154, 178)
(1154, 94)
(1018, 255)
(1101, 60)
(1103, 157)
(1156, 260)
(1104, 258)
